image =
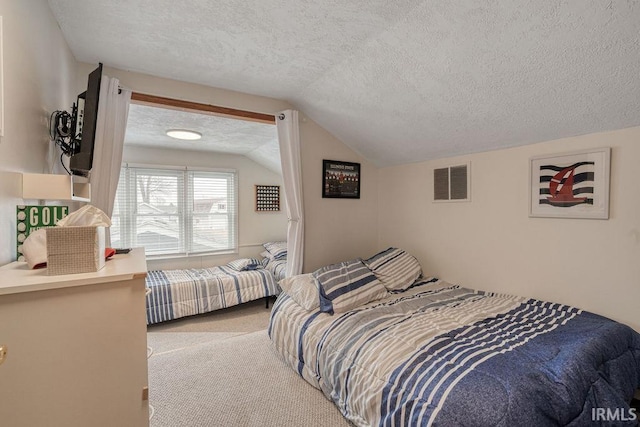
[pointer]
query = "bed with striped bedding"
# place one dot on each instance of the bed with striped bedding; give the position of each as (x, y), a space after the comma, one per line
(278, 267)
(441, 354)
(179, 293)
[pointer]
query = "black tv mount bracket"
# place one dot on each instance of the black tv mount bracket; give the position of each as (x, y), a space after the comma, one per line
(61, 130)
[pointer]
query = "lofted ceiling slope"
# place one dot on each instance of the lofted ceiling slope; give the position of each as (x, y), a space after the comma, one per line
(398, 82)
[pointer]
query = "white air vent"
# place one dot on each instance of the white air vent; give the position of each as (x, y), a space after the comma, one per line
(452, 183)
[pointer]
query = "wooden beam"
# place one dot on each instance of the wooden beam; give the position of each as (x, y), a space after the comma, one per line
(177, 104)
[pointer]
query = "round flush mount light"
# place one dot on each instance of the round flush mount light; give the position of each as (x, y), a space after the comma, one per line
(184, 134)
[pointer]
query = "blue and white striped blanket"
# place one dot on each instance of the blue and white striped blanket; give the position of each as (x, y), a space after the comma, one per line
(440, 354)
(180, 293)
(278, 267)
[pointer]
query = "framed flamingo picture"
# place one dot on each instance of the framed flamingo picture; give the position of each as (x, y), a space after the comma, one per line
(570, 185)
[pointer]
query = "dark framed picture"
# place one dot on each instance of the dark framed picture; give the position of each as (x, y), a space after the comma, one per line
(340, 180)
(570, 185)
(267, 198)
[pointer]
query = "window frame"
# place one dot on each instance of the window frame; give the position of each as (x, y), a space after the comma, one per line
(185, 211)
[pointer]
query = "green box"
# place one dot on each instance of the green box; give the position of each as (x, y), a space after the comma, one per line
(32, 218)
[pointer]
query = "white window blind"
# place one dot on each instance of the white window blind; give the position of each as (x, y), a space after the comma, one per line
(175, 211)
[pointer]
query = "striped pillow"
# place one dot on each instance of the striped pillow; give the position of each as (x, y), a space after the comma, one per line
(395, 268)
(346, 286)
(244, 264)
(278, 250)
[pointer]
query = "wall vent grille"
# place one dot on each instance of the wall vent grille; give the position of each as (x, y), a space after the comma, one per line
(452, 183)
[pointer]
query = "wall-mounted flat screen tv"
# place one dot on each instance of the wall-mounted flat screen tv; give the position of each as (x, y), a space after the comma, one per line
(81, 161)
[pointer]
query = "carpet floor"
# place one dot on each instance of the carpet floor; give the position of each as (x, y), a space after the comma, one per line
(248, 317)
(229, 379)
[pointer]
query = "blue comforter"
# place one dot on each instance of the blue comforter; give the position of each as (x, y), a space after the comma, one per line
(444, 355)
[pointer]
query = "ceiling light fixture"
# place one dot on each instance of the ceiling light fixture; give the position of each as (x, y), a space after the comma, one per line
(184, 134)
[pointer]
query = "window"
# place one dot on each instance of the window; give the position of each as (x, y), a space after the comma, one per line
(175, 211)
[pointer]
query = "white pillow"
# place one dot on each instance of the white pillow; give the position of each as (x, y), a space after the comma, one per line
(278, 250)
(303, 289)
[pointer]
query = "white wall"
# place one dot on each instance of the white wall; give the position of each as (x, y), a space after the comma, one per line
(255, 228)
(335, 229)
(490, 243)
(39, 71)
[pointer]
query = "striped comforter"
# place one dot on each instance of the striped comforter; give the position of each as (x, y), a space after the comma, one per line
(180, 293)
(278, 267)
(440, 354)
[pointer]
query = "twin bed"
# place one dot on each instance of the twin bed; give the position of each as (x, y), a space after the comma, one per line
(391, 348)
(277, 267)
(180, 293)
(173, 294)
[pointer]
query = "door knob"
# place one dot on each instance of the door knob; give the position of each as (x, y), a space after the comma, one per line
(3, 353)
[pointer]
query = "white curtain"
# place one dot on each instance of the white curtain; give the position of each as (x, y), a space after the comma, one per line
(289, 138)
(113, 110)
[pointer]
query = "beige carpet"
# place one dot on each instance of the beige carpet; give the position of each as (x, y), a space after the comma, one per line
(225, 376)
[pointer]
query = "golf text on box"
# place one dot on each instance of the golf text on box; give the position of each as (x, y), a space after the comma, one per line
(32, 218)
(616, 414)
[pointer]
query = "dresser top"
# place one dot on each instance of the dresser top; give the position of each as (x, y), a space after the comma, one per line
(18, 278)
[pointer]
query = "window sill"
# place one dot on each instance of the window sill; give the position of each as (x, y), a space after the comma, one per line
(191, 255)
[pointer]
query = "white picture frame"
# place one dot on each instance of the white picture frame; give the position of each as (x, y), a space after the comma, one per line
(570, 185)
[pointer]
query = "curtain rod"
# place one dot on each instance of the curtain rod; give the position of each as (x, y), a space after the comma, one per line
(179, 104)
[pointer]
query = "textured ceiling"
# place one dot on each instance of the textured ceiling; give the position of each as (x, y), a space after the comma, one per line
(147, 127)
(398, 81)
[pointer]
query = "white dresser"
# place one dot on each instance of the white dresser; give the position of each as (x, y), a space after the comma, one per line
(76, 346)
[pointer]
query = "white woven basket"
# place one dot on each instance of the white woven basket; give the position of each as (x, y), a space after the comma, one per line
(73, 250)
